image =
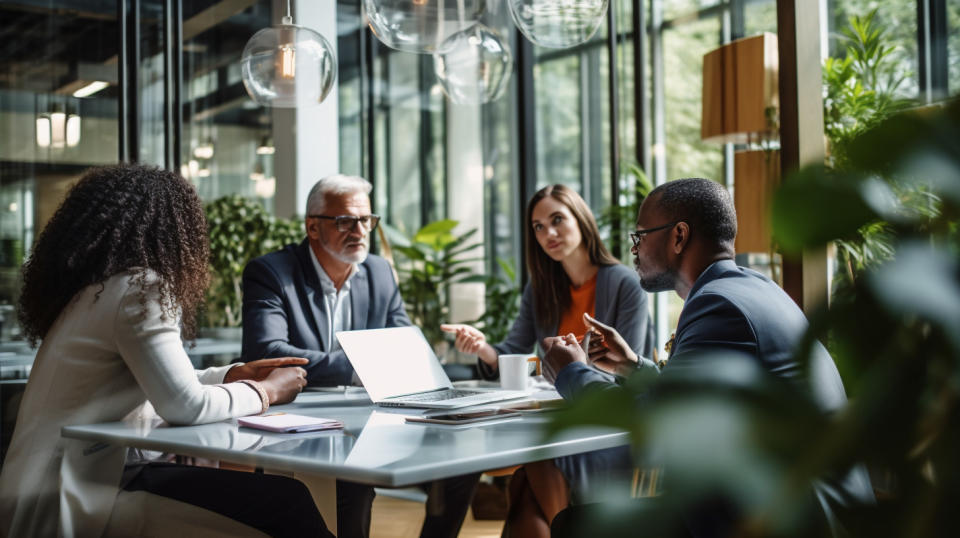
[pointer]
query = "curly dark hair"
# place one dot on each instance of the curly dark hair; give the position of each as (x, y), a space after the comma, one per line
(120, 218)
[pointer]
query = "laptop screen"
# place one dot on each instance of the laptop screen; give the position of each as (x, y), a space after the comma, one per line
(393, 362)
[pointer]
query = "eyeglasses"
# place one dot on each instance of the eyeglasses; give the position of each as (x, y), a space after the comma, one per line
(346, 223)
(637, 236)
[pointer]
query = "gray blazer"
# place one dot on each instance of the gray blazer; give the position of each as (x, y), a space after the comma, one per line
(283, 304)
(620, 302)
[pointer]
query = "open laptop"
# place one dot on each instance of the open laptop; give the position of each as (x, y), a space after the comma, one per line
(398, 369)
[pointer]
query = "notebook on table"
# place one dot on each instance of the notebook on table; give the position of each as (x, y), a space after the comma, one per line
(289, 423)
(399, 369)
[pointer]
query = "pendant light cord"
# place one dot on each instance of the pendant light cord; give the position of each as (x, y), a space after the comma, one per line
(287, 19)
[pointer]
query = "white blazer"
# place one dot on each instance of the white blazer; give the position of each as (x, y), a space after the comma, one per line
(104, 357)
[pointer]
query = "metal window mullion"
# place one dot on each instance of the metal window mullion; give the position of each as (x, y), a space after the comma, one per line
(426, 139)
(527, 127)
(584, 86)
(123, 125)
(658, 160)
(932, 49)
(172, 83)
(641, 106)
(614, 98)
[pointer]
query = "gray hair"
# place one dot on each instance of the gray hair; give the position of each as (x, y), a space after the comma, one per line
(338, 185)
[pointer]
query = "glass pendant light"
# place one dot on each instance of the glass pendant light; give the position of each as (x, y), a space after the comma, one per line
(288, 65)
(420, 25)
(475, 66)
(558, 24)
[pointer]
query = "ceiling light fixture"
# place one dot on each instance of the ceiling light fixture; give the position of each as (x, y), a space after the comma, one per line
(266, 146)
(58, 129)
(91, 88)
(288, 65)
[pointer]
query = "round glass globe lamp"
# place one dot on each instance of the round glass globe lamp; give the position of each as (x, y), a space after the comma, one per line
(558, 24)
(420, 26)
(475, 66)
(288, 66)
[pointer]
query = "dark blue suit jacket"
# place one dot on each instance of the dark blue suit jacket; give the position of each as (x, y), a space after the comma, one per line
(283, 307)
(737, 309)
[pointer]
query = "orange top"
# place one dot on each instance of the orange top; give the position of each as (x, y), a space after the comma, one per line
(582, 299)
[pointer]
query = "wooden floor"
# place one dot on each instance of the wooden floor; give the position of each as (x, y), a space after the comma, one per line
(398, 518)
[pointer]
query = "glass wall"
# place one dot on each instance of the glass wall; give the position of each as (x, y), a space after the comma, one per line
(227, 145)
(58, 115)
(60, 96)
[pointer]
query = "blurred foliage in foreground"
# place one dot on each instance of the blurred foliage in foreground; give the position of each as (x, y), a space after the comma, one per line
(734, 435)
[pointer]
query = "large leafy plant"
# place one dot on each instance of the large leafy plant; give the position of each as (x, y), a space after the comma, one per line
(625, 212)
(240, 230)
(734, 436)
(432, 260)
(860, 91)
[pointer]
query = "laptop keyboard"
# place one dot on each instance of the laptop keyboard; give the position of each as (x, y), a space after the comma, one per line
(441, 395)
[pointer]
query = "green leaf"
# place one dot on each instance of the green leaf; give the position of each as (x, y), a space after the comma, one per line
(814, 207)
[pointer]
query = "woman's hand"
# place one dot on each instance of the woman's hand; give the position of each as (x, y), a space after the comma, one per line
(260, 369)
(471, 341)
(610, 352)
(283, 384)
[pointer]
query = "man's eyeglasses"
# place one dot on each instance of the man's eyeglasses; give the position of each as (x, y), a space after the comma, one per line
(637, 236)
(346, 223)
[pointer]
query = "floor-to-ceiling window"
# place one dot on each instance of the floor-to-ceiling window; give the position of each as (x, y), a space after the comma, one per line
(58, 115)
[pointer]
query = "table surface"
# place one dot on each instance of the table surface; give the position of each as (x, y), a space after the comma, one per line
(376, 446)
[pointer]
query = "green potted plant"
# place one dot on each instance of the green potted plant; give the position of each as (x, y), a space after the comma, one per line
(432, 260)
(860, 91)
(240, 230)
(625, 213)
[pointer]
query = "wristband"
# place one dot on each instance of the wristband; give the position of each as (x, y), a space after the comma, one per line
(262, 392)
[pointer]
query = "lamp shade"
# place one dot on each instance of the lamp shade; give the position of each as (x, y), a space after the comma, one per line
(740, 90)
(288, 66)
(475, 68)
(756, 176)
(420, 26)
(558, 24)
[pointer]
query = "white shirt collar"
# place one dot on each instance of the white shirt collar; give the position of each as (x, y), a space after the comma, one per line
(326, 283)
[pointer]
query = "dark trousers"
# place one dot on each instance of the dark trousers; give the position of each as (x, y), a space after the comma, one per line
(276, 505)
(447, 504)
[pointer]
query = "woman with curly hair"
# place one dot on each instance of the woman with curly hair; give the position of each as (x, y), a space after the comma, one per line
(113, 282)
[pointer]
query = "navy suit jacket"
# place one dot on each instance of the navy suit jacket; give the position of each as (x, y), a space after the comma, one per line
(283, 307)
(737, 309)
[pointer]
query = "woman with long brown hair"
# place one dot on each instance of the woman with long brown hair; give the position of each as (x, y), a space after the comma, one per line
(573, 277)
(112, 283)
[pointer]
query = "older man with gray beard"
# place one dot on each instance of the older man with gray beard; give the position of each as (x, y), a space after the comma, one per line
(296, 299)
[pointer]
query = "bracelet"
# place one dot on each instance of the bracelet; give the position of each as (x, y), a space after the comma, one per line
(262, 392)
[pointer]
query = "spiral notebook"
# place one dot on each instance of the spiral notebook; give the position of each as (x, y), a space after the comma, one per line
(289, 423)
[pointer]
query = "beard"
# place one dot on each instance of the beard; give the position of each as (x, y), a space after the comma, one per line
(358, 256)
(665, 280)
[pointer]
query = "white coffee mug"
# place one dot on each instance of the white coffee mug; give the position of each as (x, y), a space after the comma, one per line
(514, 371)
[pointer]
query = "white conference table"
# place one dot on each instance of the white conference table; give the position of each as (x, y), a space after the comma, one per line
(375, 447)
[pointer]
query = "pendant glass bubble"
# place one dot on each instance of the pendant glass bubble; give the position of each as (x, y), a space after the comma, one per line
(475, 66)
(558, 24)
(420, 26)
(288, 66)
